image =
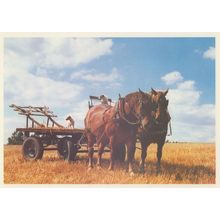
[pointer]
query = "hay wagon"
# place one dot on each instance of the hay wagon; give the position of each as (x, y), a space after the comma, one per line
(52, 136)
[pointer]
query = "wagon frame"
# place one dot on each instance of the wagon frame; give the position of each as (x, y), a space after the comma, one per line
(39, 137)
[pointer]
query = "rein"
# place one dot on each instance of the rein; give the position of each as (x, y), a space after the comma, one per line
(163, 131)
(170, 133)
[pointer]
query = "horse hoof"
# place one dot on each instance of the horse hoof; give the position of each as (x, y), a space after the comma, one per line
(158, 171)
(99, 167)
(89, 169)
(142, 170)
(110, 168)
(132, 174)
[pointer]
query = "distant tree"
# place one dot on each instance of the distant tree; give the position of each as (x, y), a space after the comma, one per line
(16, 138)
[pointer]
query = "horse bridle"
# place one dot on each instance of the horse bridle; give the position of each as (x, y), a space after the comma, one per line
(155, 107)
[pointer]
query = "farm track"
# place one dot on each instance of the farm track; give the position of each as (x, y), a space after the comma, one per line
(182, 163)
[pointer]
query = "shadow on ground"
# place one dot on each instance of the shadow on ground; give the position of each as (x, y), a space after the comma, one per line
(180, 171)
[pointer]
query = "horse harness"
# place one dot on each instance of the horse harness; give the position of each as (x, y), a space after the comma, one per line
(163, 131)
(120, 112)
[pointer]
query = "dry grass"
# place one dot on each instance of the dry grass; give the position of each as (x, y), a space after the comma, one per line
(182, 163)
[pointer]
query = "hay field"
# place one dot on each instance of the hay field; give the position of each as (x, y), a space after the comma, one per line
(182, 163)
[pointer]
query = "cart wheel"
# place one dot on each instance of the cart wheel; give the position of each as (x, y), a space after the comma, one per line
(66, 149)
(32, 149)
(120, 153)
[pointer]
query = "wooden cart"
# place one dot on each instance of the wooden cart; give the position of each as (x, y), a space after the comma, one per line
(38, 137)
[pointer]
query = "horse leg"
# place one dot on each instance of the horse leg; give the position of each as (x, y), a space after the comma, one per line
(112, 146)
(91, 141)
(143, 156)
(130, 156)
(159, 155)
(100, 152)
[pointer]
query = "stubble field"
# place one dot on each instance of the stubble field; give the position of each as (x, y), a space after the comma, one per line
(182, 163)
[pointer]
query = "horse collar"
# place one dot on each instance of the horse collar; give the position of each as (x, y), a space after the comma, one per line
(122, 114)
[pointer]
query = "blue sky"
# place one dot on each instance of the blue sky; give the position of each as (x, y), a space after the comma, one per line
(62, 72)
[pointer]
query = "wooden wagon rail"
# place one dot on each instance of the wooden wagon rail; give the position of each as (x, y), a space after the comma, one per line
(50, 130)
(30, 111)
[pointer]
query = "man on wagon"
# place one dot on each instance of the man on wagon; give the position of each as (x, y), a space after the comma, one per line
(104, 99)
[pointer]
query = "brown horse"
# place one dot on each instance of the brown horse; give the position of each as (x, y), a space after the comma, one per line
(118, 125)
(158, 132)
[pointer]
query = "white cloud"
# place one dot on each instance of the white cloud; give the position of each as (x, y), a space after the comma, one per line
(30, 61)
(56, 52)
(191, 120)
(34, 66)
(27, 89)
(172, 77)
(93, 76)
(189, 84)
(192, 132)
(72, 52)
(23, 88)
(209, 54)
(185, 92)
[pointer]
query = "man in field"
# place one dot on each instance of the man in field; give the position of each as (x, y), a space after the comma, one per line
(104, 99)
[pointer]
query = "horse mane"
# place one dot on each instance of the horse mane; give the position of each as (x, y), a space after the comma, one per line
(132, 96)
(151, 93)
